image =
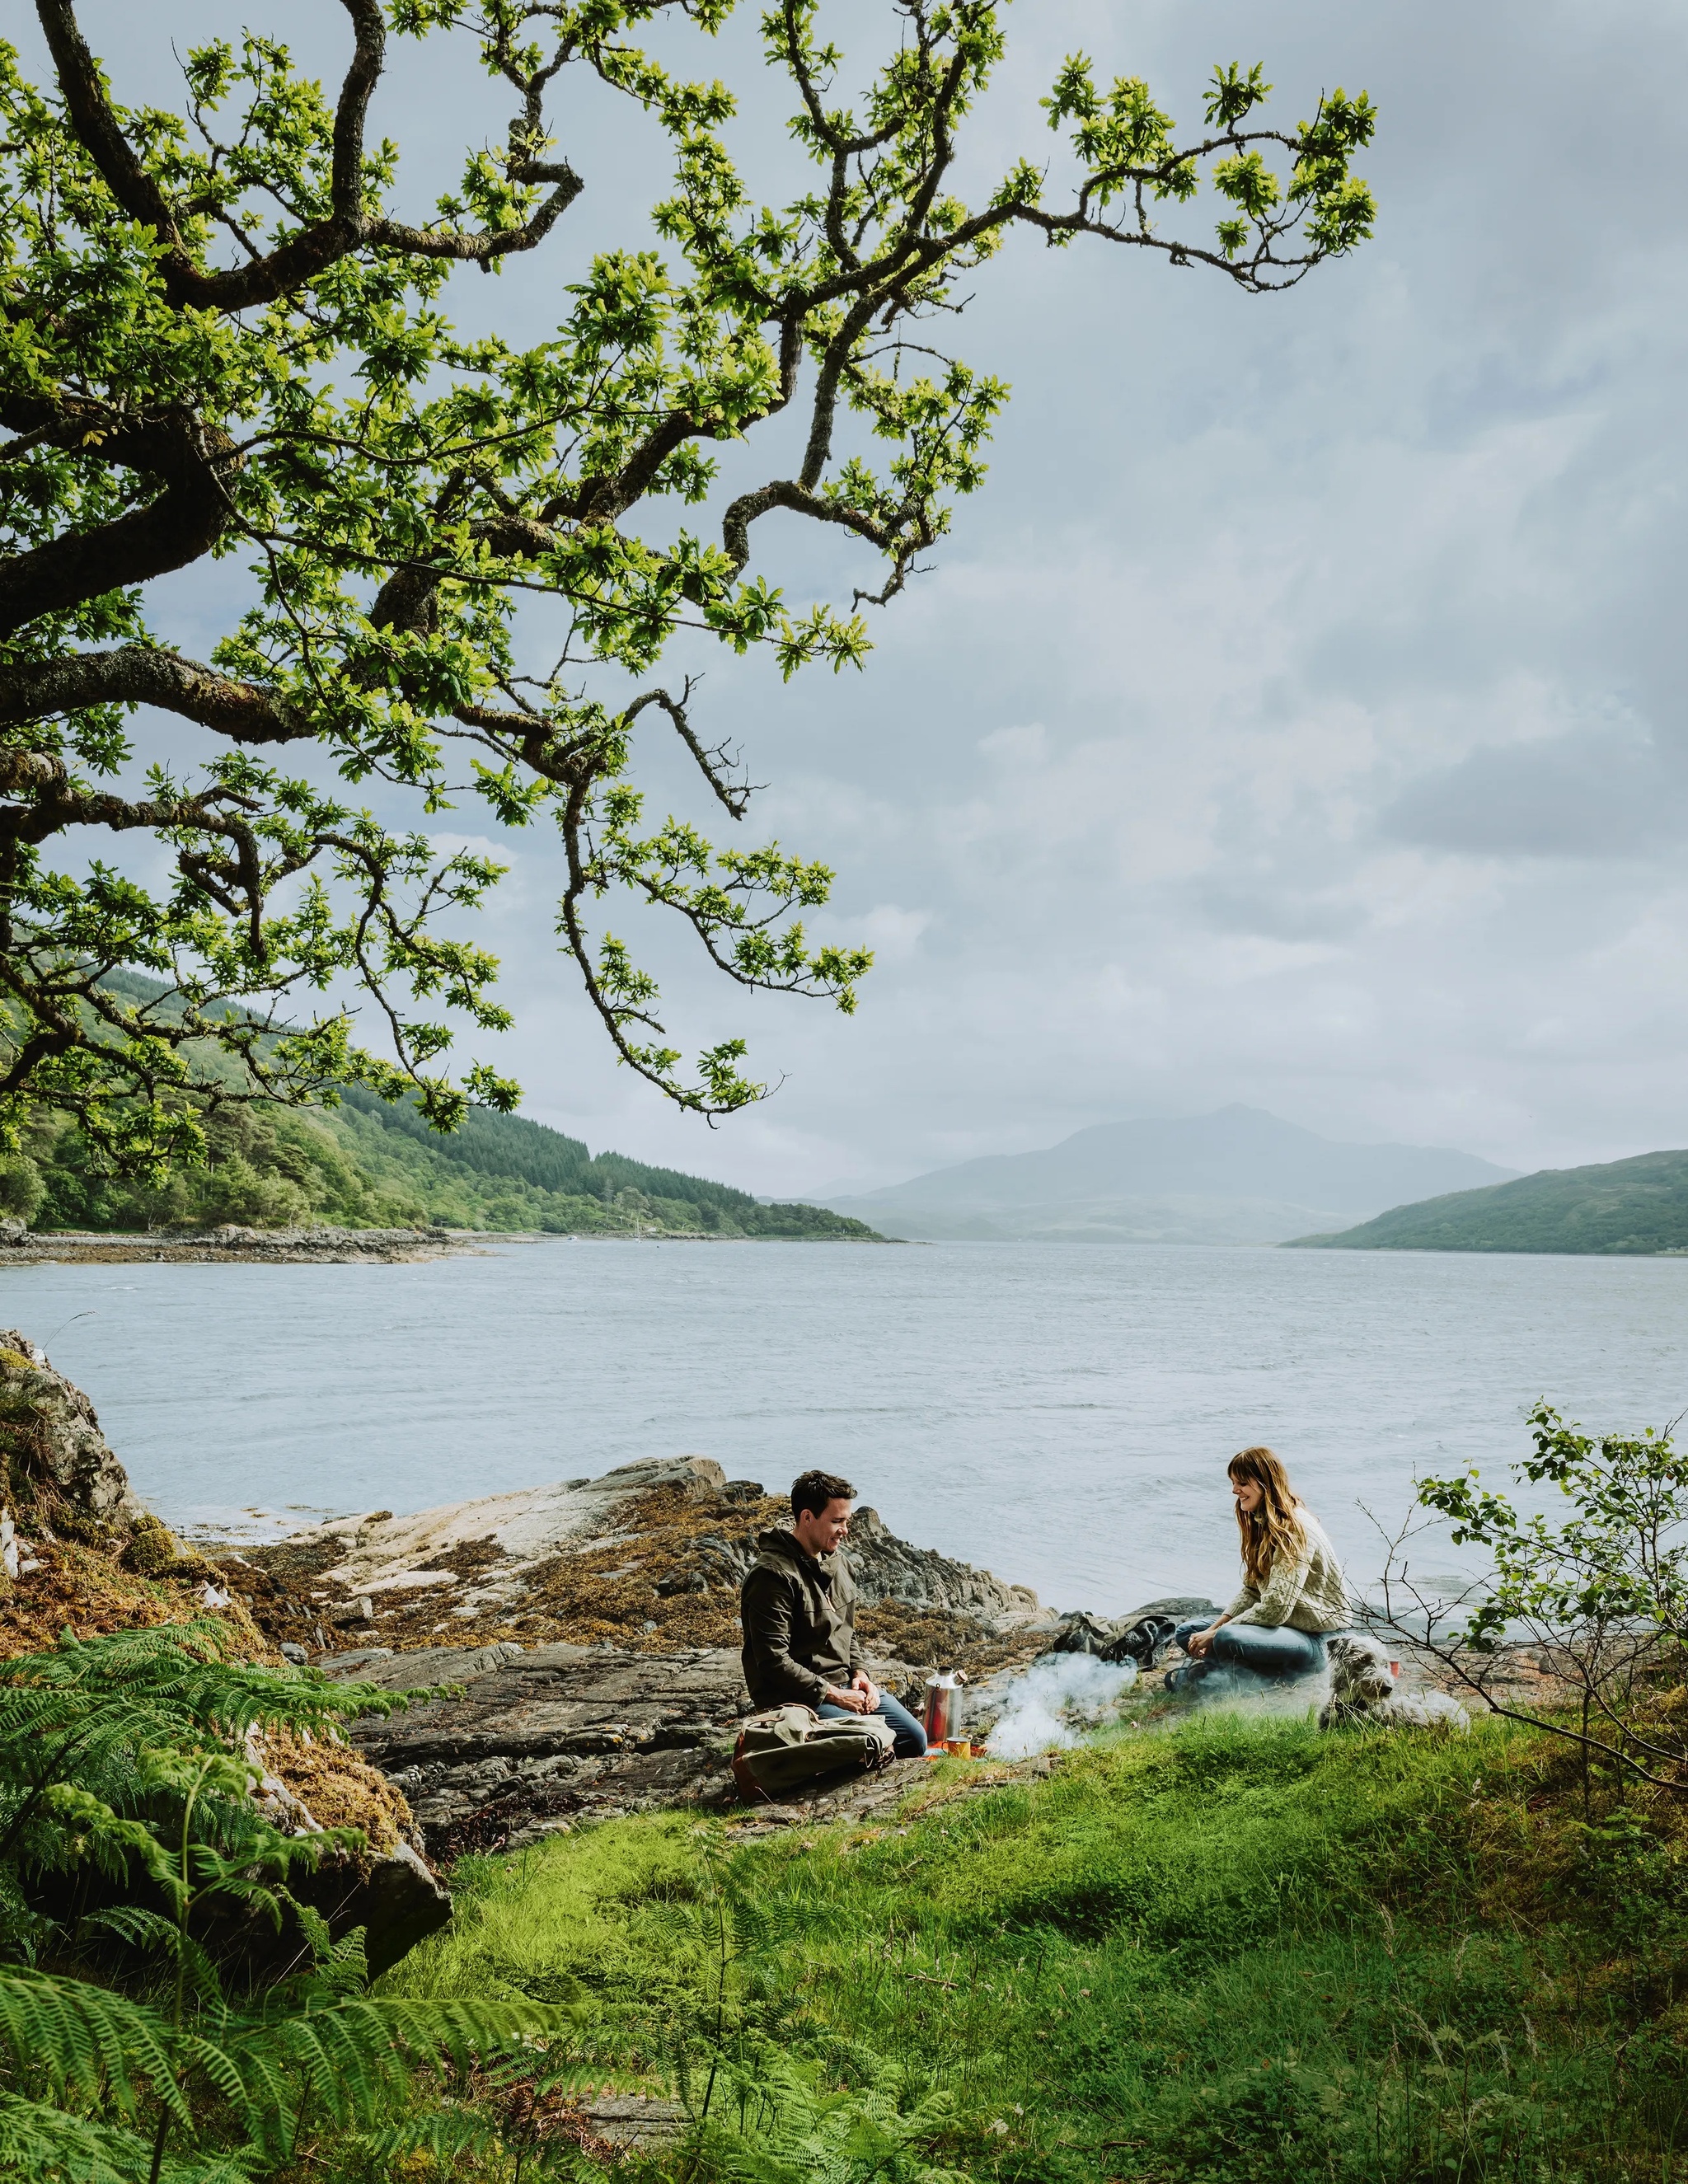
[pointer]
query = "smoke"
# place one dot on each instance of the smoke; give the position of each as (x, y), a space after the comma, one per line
(1059, 1699)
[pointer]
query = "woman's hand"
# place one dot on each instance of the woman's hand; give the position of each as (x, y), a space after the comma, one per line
(1200, 1642)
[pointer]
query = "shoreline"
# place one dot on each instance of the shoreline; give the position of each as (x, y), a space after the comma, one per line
(329, 1246)
(291, 1247)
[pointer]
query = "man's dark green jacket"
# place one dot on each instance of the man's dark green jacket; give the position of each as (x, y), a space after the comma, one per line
(799, 1612)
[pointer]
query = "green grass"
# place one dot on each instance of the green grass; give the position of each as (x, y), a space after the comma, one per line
(1242, 1952)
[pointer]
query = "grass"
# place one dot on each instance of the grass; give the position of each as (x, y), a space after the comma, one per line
(1242, 1952)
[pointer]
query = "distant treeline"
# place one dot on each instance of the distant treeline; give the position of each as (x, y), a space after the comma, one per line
(369, 1165)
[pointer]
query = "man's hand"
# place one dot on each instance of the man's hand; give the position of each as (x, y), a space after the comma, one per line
(861, 1682)
(855, 1699)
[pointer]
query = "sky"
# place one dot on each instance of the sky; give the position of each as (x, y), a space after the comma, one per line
(1296, 716)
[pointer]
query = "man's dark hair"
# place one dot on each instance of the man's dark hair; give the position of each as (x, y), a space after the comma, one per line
(813, 1490)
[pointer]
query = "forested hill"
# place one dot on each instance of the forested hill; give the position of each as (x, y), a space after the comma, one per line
(1629, 1205)
(369, 1165)
(495, 1157)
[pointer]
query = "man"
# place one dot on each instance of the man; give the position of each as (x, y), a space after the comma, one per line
(798, 1606)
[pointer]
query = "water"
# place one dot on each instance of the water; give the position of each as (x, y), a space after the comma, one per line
(1060, 1413)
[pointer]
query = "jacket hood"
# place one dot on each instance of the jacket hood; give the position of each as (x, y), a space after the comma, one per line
(784, 1544)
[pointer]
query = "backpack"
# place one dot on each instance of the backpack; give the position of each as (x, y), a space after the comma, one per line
(1146, 1642)
(788, 1747)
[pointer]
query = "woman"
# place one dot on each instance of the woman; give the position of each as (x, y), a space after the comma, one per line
(1292, 1595)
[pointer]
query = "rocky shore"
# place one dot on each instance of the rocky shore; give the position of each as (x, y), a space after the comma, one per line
(574, 1647)
(280, 1247)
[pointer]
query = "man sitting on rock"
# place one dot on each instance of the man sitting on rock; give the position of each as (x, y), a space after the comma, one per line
(798, 1607)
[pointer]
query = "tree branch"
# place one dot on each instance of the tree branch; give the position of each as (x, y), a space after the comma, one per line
(140, 675)
(184, 522)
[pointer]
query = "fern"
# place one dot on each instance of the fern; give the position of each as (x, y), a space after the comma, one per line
(43, 2144)
(779, 2124)
(122, 1763)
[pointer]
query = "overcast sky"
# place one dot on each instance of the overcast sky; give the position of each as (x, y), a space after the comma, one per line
(1297, 716)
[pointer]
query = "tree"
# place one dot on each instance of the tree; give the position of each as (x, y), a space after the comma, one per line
(219, 337)
(1601, 1597)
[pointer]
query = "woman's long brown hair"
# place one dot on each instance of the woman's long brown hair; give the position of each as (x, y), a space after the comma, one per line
(1274, 1528)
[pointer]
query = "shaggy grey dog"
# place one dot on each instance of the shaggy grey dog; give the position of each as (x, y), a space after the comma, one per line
(1362, 1689)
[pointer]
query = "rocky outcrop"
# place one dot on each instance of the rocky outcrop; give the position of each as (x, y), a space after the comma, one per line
(649, 1555)
(534, 1740)
(516, 1534)
(395, 1898)
(531, 1743)
(58, 1462)
(886, 1567)
(78, 1549)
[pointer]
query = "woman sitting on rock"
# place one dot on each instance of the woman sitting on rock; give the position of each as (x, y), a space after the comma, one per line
(1293, 1592)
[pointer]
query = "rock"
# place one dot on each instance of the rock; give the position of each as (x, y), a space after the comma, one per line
(395, 1899)
(12, 1232)
(296, 1654)
(539, 1739)
(419, 1671)
(636, 2119)
(56, 1457)
(355, 1664)
(369, 1555)
(886, 1567)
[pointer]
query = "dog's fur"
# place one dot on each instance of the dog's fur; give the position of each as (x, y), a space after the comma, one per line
(1362, 1689)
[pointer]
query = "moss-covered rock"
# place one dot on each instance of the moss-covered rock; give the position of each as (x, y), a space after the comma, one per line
(56, 1460)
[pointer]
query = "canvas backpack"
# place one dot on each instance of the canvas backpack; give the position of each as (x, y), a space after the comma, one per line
(789, 1747)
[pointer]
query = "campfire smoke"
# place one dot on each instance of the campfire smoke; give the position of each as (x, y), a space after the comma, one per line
(1059, 1700)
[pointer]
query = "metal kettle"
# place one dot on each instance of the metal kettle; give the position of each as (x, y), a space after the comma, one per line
(945, 1699)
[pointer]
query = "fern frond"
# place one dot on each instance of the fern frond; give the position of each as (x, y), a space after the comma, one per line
(444, 2135)
(88, 2040)
(38, 2142)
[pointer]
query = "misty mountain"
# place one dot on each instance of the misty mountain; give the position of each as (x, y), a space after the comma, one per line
(1239, 1176)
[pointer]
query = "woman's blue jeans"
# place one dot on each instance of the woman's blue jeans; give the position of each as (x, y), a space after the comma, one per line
(908, 1737)
(1277, 1652)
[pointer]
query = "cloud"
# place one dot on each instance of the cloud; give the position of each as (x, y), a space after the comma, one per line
(1296, 716)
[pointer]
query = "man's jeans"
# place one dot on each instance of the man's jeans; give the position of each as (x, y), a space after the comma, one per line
(1263, 1649)
(908, 1737)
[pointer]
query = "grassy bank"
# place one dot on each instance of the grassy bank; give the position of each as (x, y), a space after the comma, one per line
(1241, 1952)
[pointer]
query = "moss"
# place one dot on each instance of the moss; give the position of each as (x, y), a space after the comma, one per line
(342, 1789)
(152, 1548)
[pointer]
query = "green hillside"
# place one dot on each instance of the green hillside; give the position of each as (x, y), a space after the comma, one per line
(367, 1165)
(1628, 1206)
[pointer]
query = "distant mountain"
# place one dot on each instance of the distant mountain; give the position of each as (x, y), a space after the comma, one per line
(1239, 1176)
(1618, 1207)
